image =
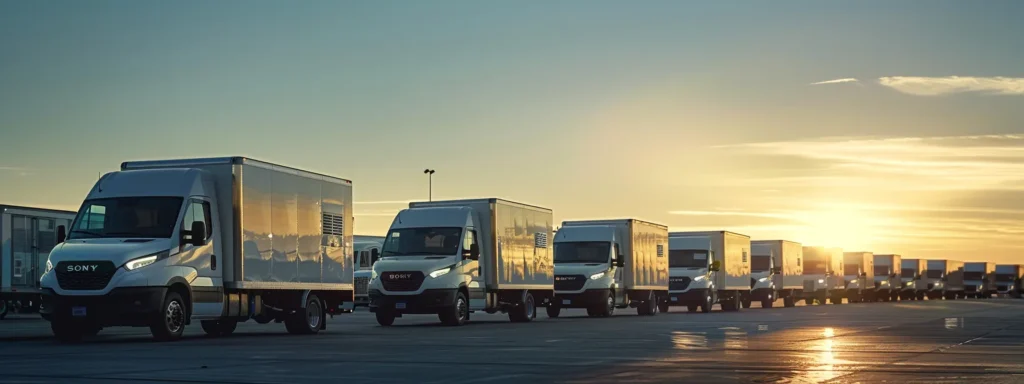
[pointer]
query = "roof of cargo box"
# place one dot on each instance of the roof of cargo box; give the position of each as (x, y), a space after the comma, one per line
(460, 202)
(702, 233)
(608, 221)
(774, 241)
(5, 207)
(178, 163)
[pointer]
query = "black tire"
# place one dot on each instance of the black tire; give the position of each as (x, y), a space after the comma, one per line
(733, 304)
(218, 328)
(768, 302)
(169, 323)
(554, 310)
(809, 301)
(385, 318)
(692, 307)
(307, 320)
(649, 307)
(3, 309)
(604, 309)
(789, 302)
(836, 300)
(709, 302)
(66, 331)
(746, 303)
(663, 306)
(457, 314)
(525, 312)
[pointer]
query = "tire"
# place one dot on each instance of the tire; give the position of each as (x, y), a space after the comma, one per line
(768, 302)
(457, 314)
(746, 303)
(836, 300)
(218, 328)
(809, 301)
(709, 302)
(525, 312)
(732, 305)
(649, 307)
(789, 302)
(169, 323)
(607, 309)
(663, 306)
(692, 307)
(554, 310)
(307, 320)
(385, 318)
(3, 309)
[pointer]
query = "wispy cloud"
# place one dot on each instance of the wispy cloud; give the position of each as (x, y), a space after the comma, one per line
(20, 171)
(837, 81)
(936, 86)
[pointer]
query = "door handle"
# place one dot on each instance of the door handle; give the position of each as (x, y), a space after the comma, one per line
(213, 262)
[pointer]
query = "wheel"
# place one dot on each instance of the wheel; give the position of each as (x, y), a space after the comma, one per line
(308, 320)
(789, 302)
(692, 307)
(769, 301)
(554, 310)
(732, 304)
(746, 302)
(649, 307)
(836, 300)
(169, 323)
(709, 301)
(525, 312)
(385, 318)
(3, 309)
(216, 328)
(663, 306)
(606, 310)
(457, 314)
(809, 301)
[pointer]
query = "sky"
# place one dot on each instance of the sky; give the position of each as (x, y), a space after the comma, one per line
(879, 126)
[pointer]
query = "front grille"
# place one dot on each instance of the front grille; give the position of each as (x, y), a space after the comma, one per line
(84, 275)
(1003, 287)
(569, 282)
(360, 285)
(401, 281)
(678, 283)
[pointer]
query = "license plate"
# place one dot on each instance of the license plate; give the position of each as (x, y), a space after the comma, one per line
(566, 302)
(675, 299)
(399, 305)
(78, 311)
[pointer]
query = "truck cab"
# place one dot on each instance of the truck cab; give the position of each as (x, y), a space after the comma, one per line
(764, 275)
(588, 263)
(1008, 279)
(859, 271)
(364, 254)
(823, 276)
(911, 272)
(979, 280)
(692, 273)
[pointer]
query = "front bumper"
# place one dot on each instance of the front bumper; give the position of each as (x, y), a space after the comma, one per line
(129, 306)
(585, 299)
(431, 301)
(692, 296)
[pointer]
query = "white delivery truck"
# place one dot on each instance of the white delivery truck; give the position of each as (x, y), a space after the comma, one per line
(979, 279)
(823, 275)
(455, 257)
(777, 270)
(942, 279)
(27, 235)
(1008, 279)
(215, 240)
(602, 265)
(910, 273)
(708, 267)
(887, 279)
(365, 252)
(858, 276)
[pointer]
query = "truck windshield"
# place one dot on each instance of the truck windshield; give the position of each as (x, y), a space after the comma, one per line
(907, 273)
(121, 217)
(852, 269)
(760, 263)
(582, 252)
(972, 276)
(933, 274)
(687, 258)
(422, 241)
(883, 270)
(815, 267)
(1005, 277)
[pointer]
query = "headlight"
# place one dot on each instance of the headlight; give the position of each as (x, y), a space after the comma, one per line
(698, 278)
(597, 276)
(146, 260)
(49, 266)
(442, 271)
(763, 279)
(821, 281)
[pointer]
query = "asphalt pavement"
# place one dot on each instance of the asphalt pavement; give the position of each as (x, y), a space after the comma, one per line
(905, 342)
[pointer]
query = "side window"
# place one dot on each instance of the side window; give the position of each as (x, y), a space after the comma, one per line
(616, 248)
(364, 259)
(197, 211)
(468, 241)
(207, 219)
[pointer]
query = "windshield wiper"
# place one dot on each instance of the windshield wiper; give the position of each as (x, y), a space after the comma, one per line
(124, 233)
(87, 232)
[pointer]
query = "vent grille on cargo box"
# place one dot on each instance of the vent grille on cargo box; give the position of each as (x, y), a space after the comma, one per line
(333, 224)
(661, 250)
(540, 240)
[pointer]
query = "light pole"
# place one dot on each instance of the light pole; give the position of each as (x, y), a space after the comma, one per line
(430, 184)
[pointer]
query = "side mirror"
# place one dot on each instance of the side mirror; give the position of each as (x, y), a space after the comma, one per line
(474, 252)
(198, 233)
(374, 255)
(715, 266)
(777, 270)
(620, 262)
(62, 234)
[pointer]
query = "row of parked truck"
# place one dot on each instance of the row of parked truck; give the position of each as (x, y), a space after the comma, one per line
(218, 241)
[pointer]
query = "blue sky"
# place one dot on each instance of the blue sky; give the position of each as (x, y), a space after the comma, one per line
(692, 114)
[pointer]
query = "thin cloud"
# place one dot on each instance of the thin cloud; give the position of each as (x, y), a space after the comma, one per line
(837, 81)
(937, 86)
(20, 171)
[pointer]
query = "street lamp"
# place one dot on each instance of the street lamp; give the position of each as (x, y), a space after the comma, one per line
(430, 184)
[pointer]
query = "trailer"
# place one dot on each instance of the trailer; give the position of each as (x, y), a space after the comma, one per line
(887, 279)
(365, 252)
(27, 234)
(601, 265)
(910, 273)
(777, 271)
(823, 275)
(979, 280)
(1008, 279)
(221, 240)
(859, 276)
(452, 258)
(709, 267)
(943, 279)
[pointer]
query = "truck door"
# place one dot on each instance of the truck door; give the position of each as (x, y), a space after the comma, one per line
(617, 285)
(472, 268)
(208, 286)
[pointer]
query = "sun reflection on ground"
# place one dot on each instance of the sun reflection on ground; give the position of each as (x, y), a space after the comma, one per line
(689, 340)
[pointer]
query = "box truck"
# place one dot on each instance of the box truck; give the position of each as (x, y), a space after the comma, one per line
(27, 235)
(601, 265)
(365, 251)
(708, 267)
(887, 278)
(910, 273)
(777, 271)
(216, 240)
(859, 276)
(452, 258)
(823, 275)
(942, 279)
(1008, 279)
(979, 279)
